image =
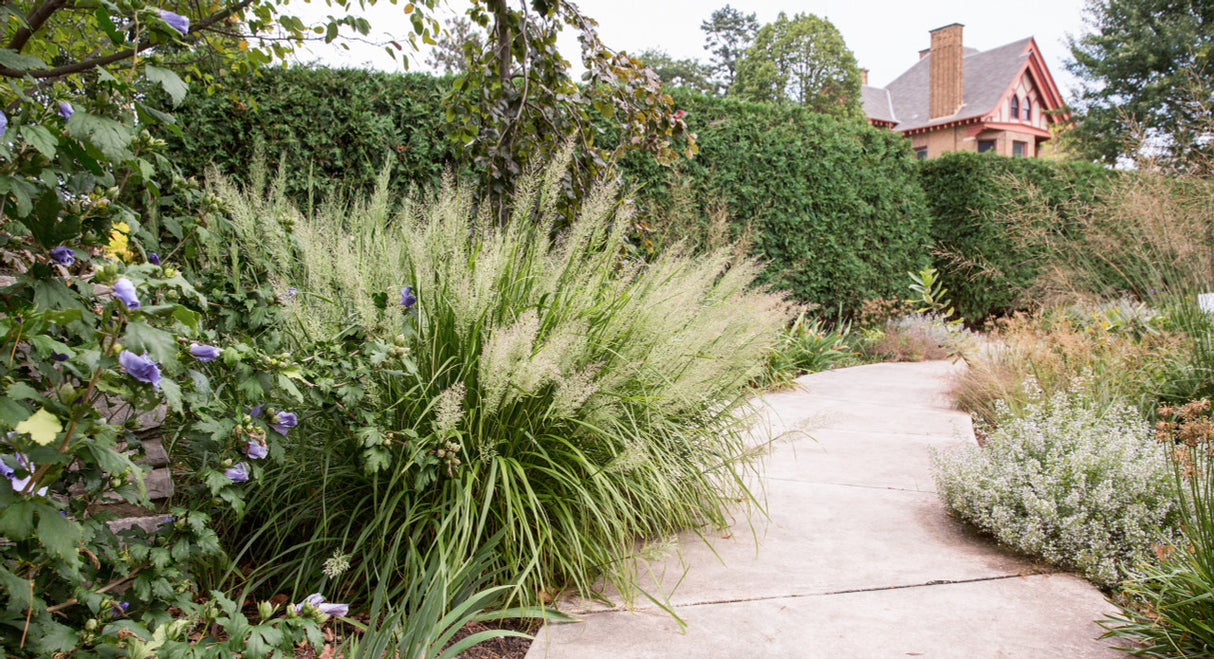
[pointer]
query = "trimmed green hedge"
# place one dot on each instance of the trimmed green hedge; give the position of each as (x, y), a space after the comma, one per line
(333, 129)
(972, 197)
(835, 206)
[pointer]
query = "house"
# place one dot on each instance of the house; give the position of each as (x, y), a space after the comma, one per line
(960, 99)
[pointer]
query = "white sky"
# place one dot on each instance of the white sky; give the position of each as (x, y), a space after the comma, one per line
(885, 35)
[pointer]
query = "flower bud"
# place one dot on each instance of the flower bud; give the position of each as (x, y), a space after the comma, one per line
(91, 625)
(265, 610)
(67, 393)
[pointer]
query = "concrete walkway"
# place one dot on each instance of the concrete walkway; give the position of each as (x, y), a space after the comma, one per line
(858, 557)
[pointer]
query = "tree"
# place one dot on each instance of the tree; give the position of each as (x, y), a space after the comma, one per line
(1147, 71)
(687, 73)
(728, 33)
(517, 104)
(455, 45)
(802, 60)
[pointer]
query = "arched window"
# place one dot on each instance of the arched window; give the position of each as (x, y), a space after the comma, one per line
(1028, 109)
(1015, 113)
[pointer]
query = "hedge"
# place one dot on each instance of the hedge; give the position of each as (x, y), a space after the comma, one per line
(332, 129)
(974, 200)
(835, 206)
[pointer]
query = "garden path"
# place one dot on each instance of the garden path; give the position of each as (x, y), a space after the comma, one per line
(857, 556)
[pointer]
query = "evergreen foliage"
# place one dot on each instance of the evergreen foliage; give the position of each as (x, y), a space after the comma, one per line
(1146, 74)
(835, 205)
(330, 129)
(986, 263)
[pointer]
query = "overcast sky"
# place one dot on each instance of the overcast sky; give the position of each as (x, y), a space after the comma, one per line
(885, 35)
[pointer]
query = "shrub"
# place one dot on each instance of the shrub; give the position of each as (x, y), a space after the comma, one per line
(912, 338)
(835, 206)
(1054, 346)
(329, 129)
(547, 390)
(1075, 482)
(806, 347)
(991, 217)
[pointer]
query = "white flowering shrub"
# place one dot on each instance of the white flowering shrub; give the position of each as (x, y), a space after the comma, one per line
(1079, 484)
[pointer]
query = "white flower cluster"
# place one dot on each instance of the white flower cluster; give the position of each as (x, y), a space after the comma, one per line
(1080, 484)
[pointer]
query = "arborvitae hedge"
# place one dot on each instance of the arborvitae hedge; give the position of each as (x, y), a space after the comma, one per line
(979, 203)
(835, 206)
(332, 129)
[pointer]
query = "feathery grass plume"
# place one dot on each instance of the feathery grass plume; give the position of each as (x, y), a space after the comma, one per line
(603, 398)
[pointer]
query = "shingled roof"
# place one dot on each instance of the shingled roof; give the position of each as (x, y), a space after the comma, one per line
(986, 75)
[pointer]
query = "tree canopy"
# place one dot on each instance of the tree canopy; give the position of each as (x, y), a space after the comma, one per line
(1146, 73)
(801, 60)
(728, 33)
(687, 73)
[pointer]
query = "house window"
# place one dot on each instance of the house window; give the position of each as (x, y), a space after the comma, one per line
(1028, 109)
(1015, 107)
(986, 145)
(921, 153)
(1018, 149)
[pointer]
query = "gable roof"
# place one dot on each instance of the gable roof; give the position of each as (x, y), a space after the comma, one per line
(986, 77)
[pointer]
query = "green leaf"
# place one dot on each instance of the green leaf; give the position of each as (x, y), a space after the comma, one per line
(113, 139)
(22, 391)
(187, 317)
(14, 60)
(42, 427)
(41, 139)
(169, 80)
(58, 534)
(17, 519)
(172, 394)
(56, 638)
(159, 344)
(10, 412)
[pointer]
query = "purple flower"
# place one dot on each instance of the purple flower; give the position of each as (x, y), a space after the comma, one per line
(59, 357)
(407, 298)
(175, 21)
(19, 484)
(204, 353)
(255, 411)
(119, 608)
(140, 367)
(317, 601)
(3, 122)
(63, 255)
(124, 290)
(65, 109)
(255, 450)
(239, 473)
(153, 258)
(283, 421)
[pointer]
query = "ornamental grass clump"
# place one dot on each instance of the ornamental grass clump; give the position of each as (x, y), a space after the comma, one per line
(535, 384)
(1165, 610)
(1076, 482)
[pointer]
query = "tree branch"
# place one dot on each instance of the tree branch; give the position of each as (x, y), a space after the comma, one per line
(85, 65)
(34, 20)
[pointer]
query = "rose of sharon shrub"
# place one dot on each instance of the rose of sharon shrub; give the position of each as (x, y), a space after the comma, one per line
(1080, 485)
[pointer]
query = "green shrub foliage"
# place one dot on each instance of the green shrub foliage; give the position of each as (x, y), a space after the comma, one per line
(834, 205)
(330, 129)
(980, 207)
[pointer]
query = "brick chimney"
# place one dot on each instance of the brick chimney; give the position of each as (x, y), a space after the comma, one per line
(863, 76)
(946, 94)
